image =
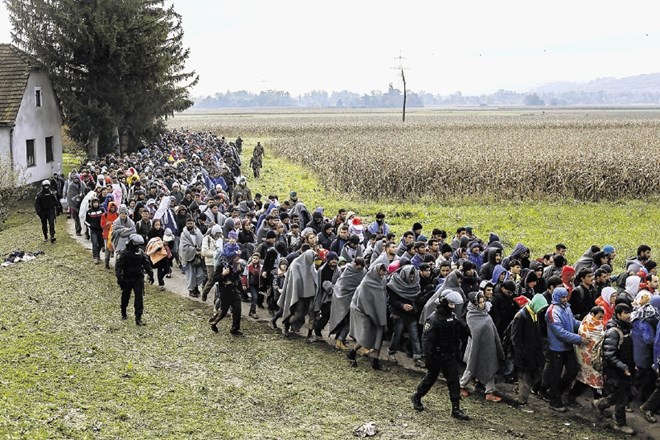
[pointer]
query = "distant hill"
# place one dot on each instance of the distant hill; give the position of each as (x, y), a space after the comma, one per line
(646, 83)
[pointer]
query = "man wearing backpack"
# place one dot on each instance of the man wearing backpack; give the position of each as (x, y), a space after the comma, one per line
(562, 335)
(618, 365)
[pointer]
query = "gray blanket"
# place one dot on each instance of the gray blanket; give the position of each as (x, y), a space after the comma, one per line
(342, 294)
(189, 244)
(299, 283)
(121, 230)
(369, 310)
(484, 349)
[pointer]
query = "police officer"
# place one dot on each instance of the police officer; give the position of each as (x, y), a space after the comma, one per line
(47, 206)
(228, 276)
(130, 267)
(441, 343)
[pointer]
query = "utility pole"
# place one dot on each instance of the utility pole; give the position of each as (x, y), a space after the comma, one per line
(403, 78)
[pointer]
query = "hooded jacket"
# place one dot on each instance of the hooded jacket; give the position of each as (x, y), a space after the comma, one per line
(108, 218)
(604, 301)
(497, 271)
(517, 254)
(486, 270)
(617, 353)
(561, 324)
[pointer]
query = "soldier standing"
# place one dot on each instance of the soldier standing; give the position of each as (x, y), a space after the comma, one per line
(131, 265)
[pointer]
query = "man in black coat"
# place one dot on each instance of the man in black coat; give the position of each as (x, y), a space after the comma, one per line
(528, 345)
(441, 344)
(618, 365)
(131, 265)
(48, 207)
(228, 276)
(583, 297)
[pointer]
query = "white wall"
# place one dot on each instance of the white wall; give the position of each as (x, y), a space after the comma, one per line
(4, 143)
(38, 123)
(4, 153)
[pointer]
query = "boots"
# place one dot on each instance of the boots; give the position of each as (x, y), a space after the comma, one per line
(375, 364)
(417, 402)
(597, 409)
(456, 411)
(624, 429)
(351, 355)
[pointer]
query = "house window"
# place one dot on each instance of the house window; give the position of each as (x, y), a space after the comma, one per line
(37, 96)
(29, 152)
(49, 149)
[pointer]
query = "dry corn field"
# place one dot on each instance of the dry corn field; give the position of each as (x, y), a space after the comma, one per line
(582, 155)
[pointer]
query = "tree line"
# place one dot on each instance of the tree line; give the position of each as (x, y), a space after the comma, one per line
(393, 98)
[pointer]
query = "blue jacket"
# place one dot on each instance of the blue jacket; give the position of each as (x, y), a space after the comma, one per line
(562, 326)
(642, 338)
(497, 271)
(656, 349)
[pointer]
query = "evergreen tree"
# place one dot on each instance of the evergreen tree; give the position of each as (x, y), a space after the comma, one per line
(118, 66)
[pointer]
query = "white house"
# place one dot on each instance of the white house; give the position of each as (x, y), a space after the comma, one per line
(30, 117)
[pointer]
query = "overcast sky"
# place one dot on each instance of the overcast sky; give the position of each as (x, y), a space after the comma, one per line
(475, 47)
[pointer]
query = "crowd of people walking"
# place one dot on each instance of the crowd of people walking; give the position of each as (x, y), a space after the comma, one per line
(455, 303)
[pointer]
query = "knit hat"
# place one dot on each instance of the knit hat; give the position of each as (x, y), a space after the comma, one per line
(608, 249)
(280, 247)
(521, 301)
(123, 209)
(331, 256)
(538, 303)
(233, 234)
(271, 234)
(509, 285)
